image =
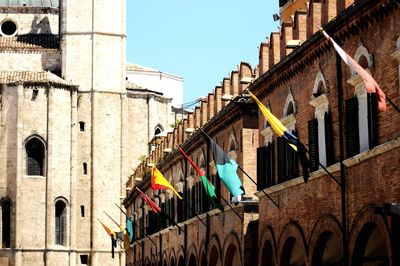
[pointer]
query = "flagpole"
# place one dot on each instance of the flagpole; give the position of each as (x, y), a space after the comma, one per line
(191, 210)
(342, 169)
(254, 182)
(237, 214)
(142, 230)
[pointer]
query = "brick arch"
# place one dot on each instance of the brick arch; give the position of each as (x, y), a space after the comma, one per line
(267, 237)
(192, 251)
(364, 218)
(165, 258)
(214, 247)
(326, 227)
(291, 231)
(180, 254)
(231, 241)
(202, 251)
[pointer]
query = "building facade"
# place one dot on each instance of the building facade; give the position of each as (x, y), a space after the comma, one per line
(347, 213)
(68, 124)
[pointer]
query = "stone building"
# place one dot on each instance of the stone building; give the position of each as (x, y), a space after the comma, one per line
(68, 124)
(347, 214)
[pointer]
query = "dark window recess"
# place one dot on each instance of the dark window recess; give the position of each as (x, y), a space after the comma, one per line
(82, 126)
(193, 202)
(180, 210)
(85, 168)
(8, 28)
(287, 161)
(82, 211)
(352, 129)
(84, 259)
(60, 226)
(35, 93)
(313, 144)
(329, 142)
(372, 120)
(283, 2)
(35, 157)
(5, 219)
(265, 166)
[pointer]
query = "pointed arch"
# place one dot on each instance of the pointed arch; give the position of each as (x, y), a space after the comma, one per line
(267, 244)
(232, 254)
(292, 247)
(214, 252)
(35, 152)
(290, 105)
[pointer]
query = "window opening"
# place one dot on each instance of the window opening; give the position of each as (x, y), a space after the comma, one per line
(35, 157)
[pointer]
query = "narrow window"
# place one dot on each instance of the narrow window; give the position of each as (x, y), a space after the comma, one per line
(372, 106)
(352, 128)
(35, 157)
(35, 93)
(82, 211)
(82, 126)
(60, 220)
(5, 211)
(329, 142)
(85, 168)
(265, 166)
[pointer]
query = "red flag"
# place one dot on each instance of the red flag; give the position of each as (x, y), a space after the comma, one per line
(151, 203)
(370, 84)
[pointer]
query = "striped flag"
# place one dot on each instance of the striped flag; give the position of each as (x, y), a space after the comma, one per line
(149, 202)
(282, 131)
(113, 236)
(370, 84)
(158, 181)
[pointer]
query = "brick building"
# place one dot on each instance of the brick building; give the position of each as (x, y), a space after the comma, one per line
(347, 217)
(68, 121)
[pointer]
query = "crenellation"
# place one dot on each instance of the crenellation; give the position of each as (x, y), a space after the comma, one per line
(245, 72)
(210, 106)
(314, 17)
(286, 37)
(226, 91)
(234, 88)
(274, 49)
(263, 57)
(300, 25)
(203, 112)
(217, 99)
(197, 116)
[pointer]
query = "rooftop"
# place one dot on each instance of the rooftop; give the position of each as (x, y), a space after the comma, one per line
(33, 3)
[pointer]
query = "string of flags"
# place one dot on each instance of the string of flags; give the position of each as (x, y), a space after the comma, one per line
(227, 167)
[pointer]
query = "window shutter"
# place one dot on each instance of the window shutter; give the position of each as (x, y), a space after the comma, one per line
(281, 160)
(352, 130)
(329, 143)
(261, 167)
(313, 144)
(372, 120)
(292, 168)
(180, 211)
(270, 165)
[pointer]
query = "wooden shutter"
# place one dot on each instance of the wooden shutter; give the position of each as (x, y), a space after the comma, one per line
(352, 129)
(180, 211)
(281, 160)
(292, 168)
(329, 142)
(313, 144)
(261, 167)
(270, 165)
(372, 120)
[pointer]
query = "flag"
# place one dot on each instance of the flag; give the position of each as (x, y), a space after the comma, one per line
(282, 131)
(208, 186)
(226, 169)
(370, 84)
(129, 228)
(151, 203)
(158, 181)
(113, 237)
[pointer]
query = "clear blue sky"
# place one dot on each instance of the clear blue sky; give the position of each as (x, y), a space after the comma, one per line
(201, 41)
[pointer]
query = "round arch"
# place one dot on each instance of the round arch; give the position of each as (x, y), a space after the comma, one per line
(267, 254)
(214, 252)
(325, 245)
(370, 239)
(292, 248)
(232, 254)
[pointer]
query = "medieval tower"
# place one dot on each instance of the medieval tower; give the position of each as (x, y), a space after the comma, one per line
(63, 120)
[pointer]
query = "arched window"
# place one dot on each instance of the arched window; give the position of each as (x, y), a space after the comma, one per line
(60, 222)
(35, 153)
(158, 129)
(320, 130)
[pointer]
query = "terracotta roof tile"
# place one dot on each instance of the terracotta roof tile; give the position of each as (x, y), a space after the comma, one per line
(30, 42)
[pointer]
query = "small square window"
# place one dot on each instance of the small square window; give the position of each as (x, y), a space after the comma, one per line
(82, 126)
(84, 259)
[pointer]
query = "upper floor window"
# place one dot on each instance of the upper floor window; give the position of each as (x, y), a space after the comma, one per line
(320, 129)
(361, 111)
(35, 154)
(158, 129)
